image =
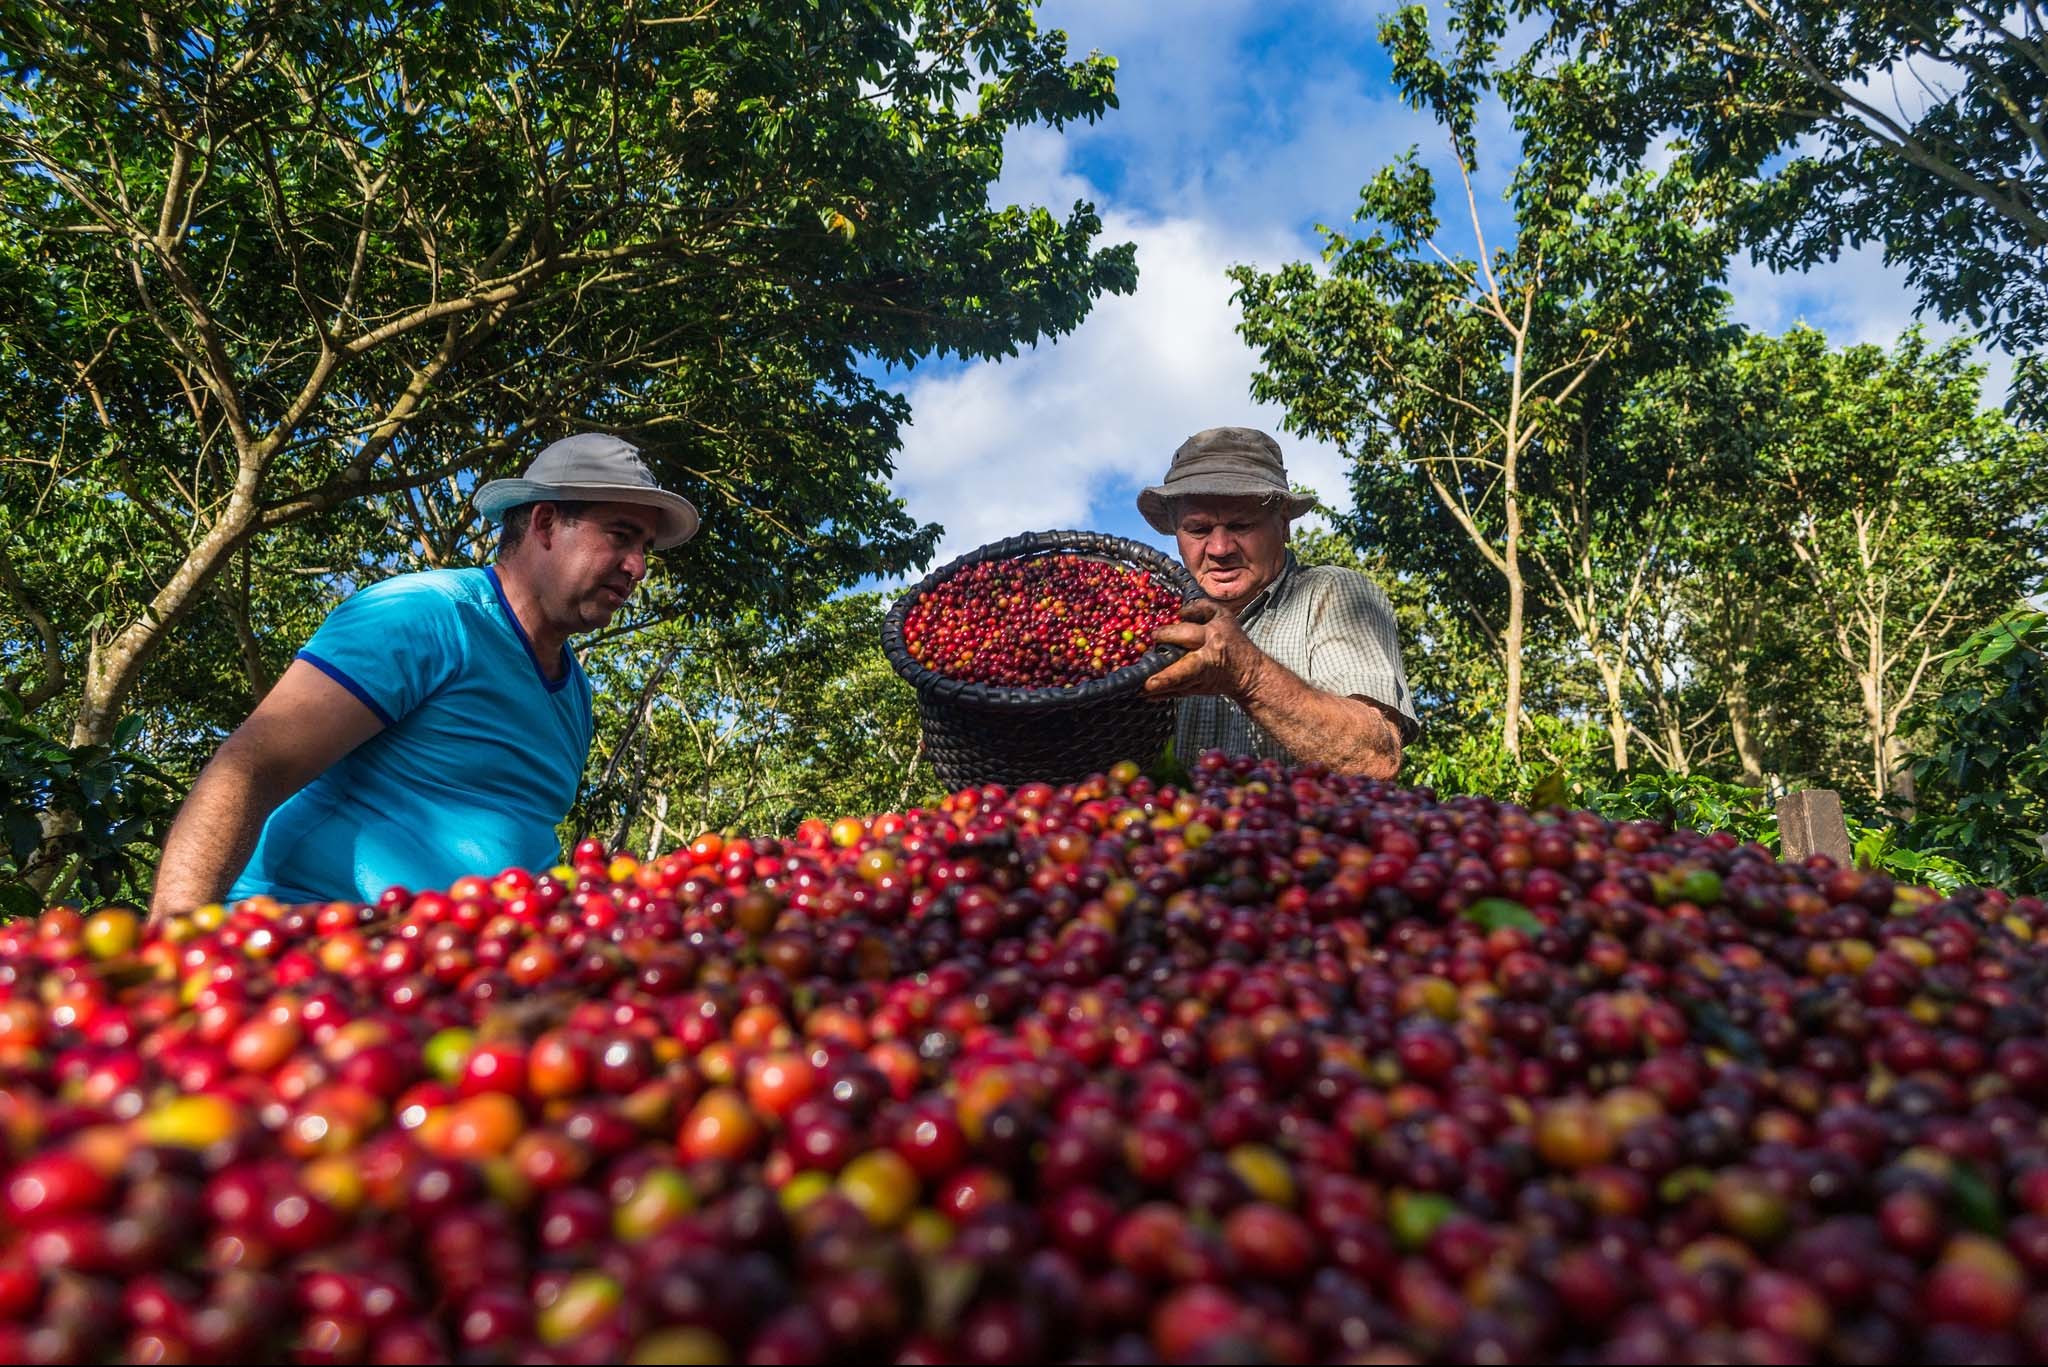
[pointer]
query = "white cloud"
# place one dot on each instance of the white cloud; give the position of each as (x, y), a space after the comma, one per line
(1065, 434)
(1854, 299)
(1238, 110)
(1035, 171)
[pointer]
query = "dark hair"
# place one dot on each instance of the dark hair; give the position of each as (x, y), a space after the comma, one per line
(519, 519)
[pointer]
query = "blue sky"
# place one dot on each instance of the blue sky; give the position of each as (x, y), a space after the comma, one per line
(1243, 124)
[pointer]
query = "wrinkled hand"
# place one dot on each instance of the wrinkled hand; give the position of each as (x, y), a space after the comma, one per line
(1221, 659)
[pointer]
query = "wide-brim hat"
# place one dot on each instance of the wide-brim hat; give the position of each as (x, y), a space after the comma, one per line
(1223, 462)
(592, 467)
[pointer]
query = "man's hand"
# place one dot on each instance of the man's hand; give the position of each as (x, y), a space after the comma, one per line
(1221, 659)
(1350, 734)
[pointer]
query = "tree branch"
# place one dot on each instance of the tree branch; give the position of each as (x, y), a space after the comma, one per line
(1889, 132)
(52, 643)
(239, 608)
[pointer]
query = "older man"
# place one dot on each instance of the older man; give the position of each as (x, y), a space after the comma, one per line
(437, 724)
(1284, 661)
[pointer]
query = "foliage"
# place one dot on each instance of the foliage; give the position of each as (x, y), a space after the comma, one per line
(119, 804)
(1455, 382)
(1476, 761)
(1819, 526)
(1983, 783)
(1695, 802)
(752, 723)
(1882, 847)
(1916, 127)
(1717, 642)
(1743, 552)
(269, 270)
(1689, 800)
(1911, 513)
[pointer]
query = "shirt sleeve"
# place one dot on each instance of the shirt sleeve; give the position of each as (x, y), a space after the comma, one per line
(1355, 647)
(392, 645)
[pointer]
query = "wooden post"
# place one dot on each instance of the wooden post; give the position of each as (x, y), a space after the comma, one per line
(1810, 822)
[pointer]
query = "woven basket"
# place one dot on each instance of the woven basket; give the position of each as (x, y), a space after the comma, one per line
(978, 733)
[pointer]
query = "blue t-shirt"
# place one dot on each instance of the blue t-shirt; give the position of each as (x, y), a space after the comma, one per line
(479, 758)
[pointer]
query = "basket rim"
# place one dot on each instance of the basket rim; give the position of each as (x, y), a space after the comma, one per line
(1007, 697)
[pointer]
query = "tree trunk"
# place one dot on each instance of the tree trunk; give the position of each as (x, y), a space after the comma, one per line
(1511, 643)
(1742, 728)
(1901, 786)
(1873, 724)
(910, 770)
(42, 872)
(636, 794)
(245, 632)
(1680, 758)
(1617, 716)
(113, 666)
(660, 826)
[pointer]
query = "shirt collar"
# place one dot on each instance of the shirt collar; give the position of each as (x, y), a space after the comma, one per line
(569, 664)
(1273, 592)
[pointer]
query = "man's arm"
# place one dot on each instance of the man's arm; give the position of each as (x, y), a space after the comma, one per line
(303, 725)
(1349, 734)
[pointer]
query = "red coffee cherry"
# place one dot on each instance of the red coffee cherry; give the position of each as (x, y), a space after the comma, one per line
(1038, 622)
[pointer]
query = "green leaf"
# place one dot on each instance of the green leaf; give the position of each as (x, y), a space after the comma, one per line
(1711, 1020)
(18, 899)
(1976, 1201)
(1415, 1215)
(1168, 769)
(1552, 790)
(1495, 913)
(24, 832)
(793, 434)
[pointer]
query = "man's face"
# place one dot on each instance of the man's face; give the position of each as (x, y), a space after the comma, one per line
(1233, 546)
(589, 565)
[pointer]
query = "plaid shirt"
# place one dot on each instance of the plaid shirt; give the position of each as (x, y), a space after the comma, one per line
(1333, 627)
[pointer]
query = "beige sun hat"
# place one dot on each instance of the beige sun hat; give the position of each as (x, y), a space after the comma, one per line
(1223, 462)
(597, 468)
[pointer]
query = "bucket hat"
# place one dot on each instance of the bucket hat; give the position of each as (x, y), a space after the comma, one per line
(1223, 462)
(597, 468)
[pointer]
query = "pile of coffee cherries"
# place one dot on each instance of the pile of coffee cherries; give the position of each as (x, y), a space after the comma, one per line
(1282, 1067)
(1043, 621)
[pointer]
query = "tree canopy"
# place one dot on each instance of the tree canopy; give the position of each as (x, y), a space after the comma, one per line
(286, 283)
(1472, 377)
(1917, 127)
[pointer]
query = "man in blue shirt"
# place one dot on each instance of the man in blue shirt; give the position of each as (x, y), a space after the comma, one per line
(437, 724)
